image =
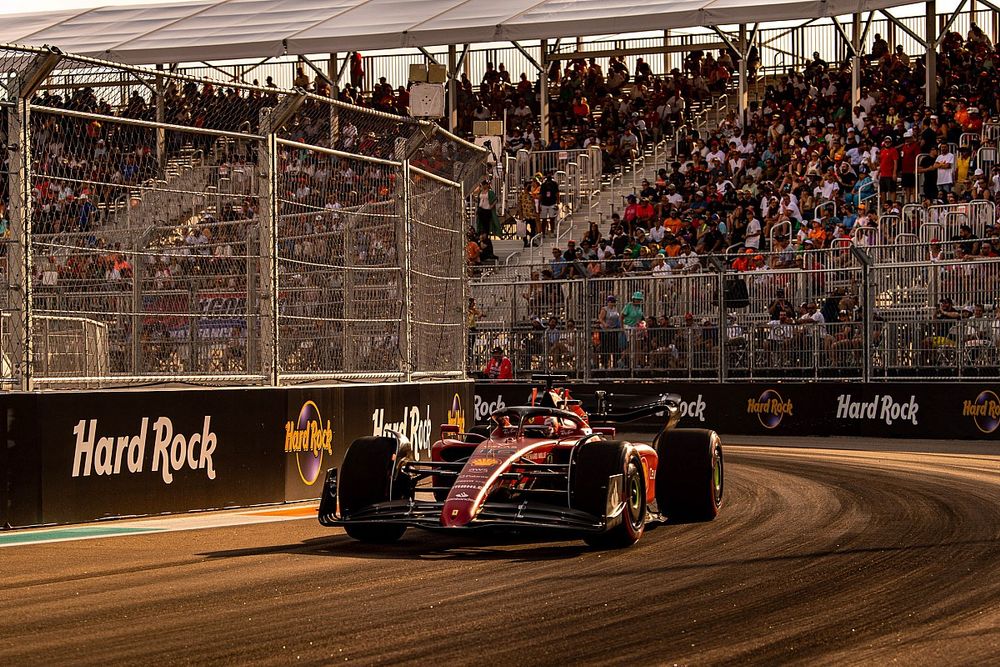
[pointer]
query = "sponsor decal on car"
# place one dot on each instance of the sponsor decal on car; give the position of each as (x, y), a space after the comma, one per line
(770, 408)
(308, 439)
(114, 454)
(413, 426)
(484, 461)
(984, 410)
(880, 408)
(456, 415)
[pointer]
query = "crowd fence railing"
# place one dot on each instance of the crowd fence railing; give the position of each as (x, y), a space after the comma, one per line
(879, 319)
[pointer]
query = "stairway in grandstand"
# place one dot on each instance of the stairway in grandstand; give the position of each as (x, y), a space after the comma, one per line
(516, 262)
(189, 188)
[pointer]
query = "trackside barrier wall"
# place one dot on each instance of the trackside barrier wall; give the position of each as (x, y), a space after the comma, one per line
(886, 410)
(73, 457)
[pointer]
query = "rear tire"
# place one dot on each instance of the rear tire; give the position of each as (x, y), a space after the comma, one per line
(593, 463)
(367, 477)
(689, 475)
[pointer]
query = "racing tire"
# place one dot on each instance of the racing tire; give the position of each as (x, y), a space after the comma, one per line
(690, 475)
(592, 465)
(366, 478)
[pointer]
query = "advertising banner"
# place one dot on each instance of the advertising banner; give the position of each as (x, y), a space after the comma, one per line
(322, 423)
(145, 452)
(890, 410)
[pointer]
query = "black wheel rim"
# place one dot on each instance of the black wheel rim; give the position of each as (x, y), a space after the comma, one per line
(636, 498)
(718, 478)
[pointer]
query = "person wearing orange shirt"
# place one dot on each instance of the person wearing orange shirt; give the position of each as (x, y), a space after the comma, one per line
(817, 234)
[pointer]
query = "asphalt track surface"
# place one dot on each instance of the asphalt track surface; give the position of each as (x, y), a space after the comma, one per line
(821, 556)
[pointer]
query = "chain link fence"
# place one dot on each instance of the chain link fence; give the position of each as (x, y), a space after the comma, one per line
(182, 229)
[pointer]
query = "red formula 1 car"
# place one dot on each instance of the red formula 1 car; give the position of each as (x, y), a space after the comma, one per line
(537, 467)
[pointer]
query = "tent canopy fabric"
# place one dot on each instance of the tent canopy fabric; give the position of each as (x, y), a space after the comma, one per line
(206, 30)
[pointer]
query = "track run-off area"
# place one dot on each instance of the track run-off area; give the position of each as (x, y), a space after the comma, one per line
(829, 551)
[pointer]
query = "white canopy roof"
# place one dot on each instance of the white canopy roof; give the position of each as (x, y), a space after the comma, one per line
(221, 29)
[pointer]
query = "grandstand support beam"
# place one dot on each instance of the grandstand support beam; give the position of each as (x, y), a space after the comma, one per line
(741, 101)
(452, 88)
(856, 58)
(332, 74)
(530, 58)
(428, 55)
(905, 28)
(319, 72)
(161, 119)
(543, 93)
(930, 49)
(638, 51)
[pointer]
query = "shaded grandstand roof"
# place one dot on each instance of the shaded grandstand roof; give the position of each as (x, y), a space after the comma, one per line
(221, 29)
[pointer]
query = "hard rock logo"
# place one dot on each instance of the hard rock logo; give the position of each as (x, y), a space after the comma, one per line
(984, 410)
(770, 408)
(308, 438)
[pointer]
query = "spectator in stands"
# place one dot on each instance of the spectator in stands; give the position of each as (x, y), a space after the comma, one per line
(548, 204)
(499, 367)
(487, 221)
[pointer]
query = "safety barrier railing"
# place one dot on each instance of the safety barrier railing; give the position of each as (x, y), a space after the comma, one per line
(829, 318)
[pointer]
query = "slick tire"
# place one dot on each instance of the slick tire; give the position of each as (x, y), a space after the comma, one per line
(593, 465)
(366, 478)
(690, 475)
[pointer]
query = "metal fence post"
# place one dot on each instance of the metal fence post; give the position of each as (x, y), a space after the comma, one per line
(868, 309)
(19, 150)
(20, 251)
(405, 228)
(267, 256)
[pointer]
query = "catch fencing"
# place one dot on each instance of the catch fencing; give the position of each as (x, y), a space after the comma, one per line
(833, 314)
(195, 231)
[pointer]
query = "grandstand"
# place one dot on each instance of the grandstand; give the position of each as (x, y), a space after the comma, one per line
(231, 232)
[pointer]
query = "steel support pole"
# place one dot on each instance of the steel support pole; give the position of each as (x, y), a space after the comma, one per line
(742, 90)
(405, 230)
(856, 60)
(543, 93)
(333, 73)
(452, 88)
(268, 261)
(161, 117)
(930, 37)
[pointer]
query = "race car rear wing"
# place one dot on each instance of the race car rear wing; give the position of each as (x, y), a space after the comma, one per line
(665, 405)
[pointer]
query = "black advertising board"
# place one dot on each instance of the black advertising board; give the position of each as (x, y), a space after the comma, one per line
(894, 410)
(79, 456)
(322, 422)
(20, 461)
(146, 452)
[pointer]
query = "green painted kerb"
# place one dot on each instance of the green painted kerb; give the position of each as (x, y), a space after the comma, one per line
(81, 532)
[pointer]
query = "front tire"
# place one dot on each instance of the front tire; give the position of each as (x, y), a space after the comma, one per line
(593, 465)
(368, 476)
(690, 475)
